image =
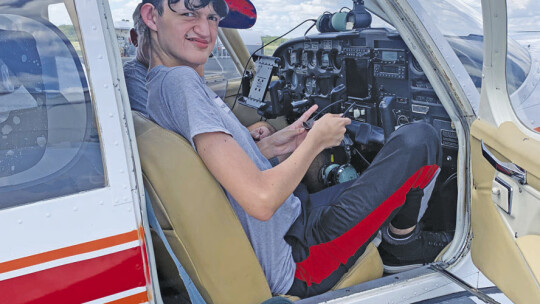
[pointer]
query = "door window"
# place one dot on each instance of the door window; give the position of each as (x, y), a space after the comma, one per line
(523, 25)
(461, 25)
(50, 144)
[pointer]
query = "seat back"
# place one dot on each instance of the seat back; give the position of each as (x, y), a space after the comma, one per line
(197, 219)
(22, 98)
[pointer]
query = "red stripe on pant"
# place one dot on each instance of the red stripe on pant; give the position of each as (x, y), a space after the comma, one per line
(325, 258)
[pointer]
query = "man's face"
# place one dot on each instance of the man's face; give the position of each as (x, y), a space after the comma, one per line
(187, 37)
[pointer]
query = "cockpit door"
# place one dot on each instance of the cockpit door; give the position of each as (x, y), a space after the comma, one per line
(505, 162)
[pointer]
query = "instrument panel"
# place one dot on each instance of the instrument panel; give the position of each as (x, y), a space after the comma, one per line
(385, 86)
(370, 73)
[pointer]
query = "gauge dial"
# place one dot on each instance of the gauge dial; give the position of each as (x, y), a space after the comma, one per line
(324, 60)
(311, 85)
(295, 56)
(288, 56)
(312, 59)
(305, 59)
(337, 58)
(294, 81)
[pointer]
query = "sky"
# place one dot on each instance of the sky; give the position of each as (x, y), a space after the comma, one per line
(524, 15)
(276, 17)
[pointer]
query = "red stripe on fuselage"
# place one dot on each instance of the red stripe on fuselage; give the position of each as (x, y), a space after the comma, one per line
(78, 282)
(325, 258)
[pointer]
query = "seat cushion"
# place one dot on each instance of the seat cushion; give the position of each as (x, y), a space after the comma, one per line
(197, 219)
(201, 226)
(368, 267)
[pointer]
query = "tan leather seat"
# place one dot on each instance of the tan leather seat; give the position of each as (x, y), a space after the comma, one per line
(201, 226)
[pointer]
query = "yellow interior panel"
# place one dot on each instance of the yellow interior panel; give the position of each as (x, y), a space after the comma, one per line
(494, 248)
(530, 247)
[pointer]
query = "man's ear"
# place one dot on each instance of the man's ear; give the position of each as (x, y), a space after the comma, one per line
(133, 35)
(149, 15)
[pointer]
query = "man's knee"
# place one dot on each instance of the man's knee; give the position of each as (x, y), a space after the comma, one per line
(417, 137)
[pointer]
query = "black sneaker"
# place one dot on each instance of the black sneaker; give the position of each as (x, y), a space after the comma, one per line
(420, 248)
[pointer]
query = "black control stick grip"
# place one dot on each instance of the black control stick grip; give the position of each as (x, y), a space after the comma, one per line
(364, 133)
(387, 116)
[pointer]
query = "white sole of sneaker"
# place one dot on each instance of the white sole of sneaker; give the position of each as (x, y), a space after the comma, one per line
(397, 269)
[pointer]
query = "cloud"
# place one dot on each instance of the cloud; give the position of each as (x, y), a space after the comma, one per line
(123, 9)
(275, 17)
(523, 15)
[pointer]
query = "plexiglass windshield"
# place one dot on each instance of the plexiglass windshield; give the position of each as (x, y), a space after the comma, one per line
(461, 25)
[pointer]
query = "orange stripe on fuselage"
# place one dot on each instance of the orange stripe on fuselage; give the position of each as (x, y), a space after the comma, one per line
(69, 251)
(134, 299)
(145, 257)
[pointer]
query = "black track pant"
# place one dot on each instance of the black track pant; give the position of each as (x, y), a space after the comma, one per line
(336, 224)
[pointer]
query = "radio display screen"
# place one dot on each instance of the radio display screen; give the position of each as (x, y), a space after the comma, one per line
(390, 69)
(389, 56)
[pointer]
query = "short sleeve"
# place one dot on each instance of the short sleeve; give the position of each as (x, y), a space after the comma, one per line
(136, 85)
(189, 109)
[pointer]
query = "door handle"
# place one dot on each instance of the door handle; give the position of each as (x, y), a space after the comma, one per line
(506, 168)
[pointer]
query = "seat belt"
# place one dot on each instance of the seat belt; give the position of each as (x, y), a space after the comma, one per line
(194, 295)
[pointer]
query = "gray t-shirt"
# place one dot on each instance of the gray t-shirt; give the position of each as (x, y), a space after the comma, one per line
(179, 100)
(135, 74)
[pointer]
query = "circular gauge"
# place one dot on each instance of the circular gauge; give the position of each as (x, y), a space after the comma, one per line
(402, 119)
(295, 57)
(312, 59)
(294, 81)
(305, 58)
(324, 59)
(288, 56)
(311, 85)
(337, 59)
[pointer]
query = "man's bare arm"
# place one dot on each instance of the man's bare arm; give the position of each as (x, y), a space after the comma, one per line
(261, 193)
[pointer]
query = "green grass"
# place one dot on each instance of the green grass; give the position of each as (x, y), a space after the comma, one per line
(269, 49)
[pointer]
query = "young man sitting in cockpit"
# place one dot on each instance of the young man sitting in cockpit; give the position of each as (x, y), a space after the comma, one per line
(303, 246)
(136, 69)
